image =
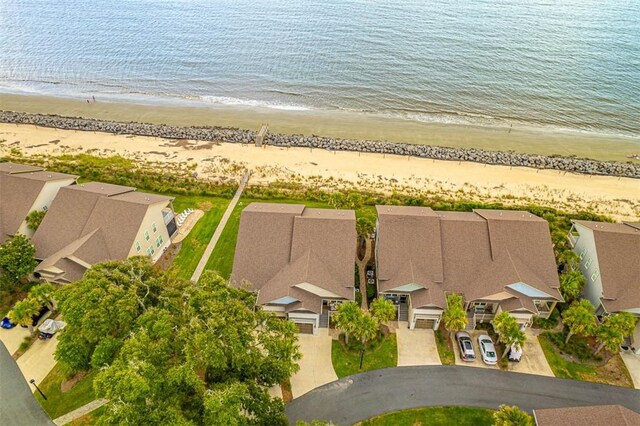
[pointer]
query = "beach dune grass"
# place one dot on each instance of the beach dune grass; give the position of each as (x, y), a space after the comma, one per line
(434, 416)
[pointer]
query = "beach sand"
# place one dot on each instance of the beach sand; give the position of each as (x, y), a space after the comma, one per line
(339, 124)
(618, 197)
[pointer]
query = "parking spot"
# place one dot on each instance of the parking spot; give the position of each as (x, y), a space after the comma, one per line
(13, 337)
(478, 361)
(417, 347)
(533, 360)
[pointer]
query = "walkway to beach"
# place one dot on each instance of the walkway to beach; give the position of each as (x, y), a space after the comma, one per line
(223, 222)
(80, 412)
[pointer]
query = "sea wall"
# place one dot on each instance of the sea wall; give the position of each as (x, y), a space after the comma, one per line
(233, 135)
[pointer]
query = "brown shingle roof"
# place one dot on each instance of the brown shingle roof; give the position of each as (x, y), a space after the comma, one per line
(474, 253)
(283, 245)
(20, 186)
(618, 252)
(597, 415)
(93, 223)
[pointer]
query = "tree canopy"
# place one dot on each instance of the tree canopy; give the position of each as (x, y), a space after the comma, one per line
(509, 331)
(34, 219)
(571, 285)
(580, 319)
(454, 317)
(174, 352)
(510, 415)
(613, 330)
(382, 309)
(17, 258)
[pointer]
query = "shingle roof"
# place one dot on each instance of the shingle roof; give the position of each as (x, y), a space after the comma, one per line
(474, 253)
(20, 186)
(281, 246)
(91, 223)
(618, 252)
(597, 415)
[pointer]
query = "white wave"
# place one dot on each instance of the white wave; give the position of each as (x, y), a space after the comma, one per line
(225, 100)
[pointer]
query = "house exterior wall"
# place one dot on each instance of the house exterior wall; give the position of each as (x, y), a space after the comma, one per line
(43, 201)
(153, 216)
(423, 313)
(585, 247)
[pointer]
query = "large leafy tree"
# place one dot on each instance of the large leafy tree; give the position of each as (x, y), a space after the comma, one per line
(101, 309)
(383, 310)
(17, 258)
(509, 331)
(613, 330)
(203, 357)
(44, 293)
(580, 319)
(510, 415)
(23, 312)
(571, 285)
(454, 317)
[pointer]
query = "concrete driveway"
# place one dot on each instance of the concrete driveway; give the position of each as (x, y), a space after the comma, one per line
(632, 362)
(38, 361)
(478, 362)
(13, 337)
(417, 347)
(316, 368)
(533, 360)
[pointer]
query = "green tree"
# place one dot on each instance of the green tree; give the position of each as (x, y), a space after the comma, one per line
(365, 226)
(368, 328)
(17, 258)
(383, 310)
(613, 330)
(509, 332)
(34, 219)
(571, 285)
(510, 415)
(454, 317)
(45, 294)
(346, 318)
(203, 356)
(23, 312)
(580, 319)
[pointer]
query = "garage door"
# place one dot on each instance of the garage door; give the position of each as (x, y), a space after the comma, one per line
(305, 328)
(425, 323)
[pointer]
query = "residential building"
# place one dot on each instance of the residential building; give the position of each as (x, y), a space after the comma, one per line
(610, 261)
(496, 260)
(24, 189)
(96, 222)
(596, 415)
(301, 261)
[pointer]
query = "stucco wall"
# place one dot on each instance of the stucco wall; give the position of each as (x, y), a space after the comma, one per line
(153, 215)
(593, 289)
(43, 201)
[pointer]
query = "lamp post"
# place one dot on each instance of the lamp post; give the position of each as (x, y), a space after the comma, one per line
(33, 382)
(361, 357)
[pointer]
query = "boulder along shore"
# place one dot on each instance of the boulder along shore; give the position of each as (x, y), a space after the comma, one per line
(235, 135)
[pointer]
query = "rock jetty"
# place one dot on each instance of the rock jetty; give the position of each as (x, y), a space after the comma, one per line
(234, 135)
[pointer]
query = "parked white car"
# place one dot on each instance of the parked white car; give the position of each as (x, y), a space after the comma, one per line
(487, 350)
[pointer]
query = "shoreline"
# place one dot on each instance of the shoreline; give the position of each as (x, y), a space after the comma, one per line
(244, 137)
(341, 125)
(221, 163)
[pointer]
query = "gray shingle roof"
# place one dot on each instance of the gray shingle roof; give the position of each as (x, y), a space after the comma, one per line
(596, 415)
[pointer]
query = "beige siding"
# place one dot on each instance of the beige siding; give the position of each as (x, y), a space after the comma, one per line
(153, 215)
(43, 201)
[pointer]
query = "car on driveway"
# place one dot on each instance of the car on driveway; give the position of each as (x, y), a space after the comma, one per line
(487, 350)
(466, 346)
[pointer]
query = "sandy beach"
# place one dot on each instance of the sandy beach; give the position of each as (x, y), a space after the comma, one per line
(339, 124)
(618, 197)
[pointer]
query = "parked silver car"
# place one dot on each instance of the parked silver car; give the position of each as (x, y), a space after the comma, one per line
(466, 346)
(487, 350)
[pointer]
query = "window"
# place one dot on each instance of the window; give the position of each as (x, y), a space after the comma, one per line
(159, 241)
(595, 275)
(146, 235)
(150, 251)
(155, 229)
(582, 253)
(138, 248)
(588, 263)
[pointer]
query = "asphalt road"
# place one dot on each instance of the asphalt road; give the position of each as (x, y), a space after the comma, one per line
(359, 397)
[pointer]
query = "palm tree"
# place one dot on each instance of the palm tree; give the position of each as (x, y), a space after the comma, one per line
(511, 416)
(383, 310)
(454, 316)
(613, 330)
(509, 331)
(571, 285)
(580, 319)
(23, 312)
(346, 318)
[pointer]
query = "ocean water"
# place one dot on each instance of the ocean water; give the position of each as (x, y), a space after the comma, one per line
(571, 64)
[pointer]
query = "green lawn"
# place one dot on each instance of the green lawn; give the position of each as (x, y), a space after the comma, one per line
(382, 354)
(89, 419)
(434, 416)
(445, 349)
(193, 246)
(58, 403)
(614, 372)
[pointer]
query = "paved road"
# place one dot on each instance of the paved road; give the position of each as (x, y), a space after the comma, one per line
(216, 235)
(365, 395)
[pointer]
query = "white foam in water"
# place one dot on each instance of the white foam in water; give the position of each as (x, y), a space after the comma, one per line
(225, 100)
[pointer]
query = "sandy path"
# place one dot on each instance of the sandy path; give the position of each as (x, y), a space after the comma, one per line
(619, 197)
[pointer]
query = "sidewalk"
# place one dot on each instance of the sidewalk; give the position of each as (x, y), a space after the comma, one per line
(79, 412)
(38, 360)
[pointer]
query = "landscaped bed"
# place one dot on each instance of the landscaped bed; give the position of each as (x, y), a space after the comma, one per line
(58, 402)
(577, 362)
(445, 347)
(434, 416)
(381, 353)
